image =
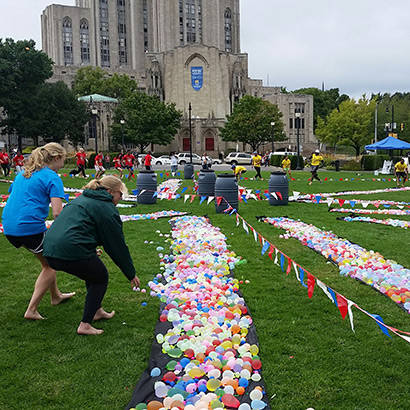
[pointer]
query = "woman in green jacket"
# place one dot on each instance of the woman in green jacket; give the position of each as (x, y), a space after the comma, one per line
(71, 244)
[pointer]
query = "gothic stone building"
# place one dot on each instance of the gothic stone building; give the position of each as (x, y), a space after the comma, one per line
(183, 51)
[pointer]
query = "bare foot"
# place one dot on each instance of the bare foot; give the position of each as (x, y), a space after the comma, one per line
(30, 315)
(87, 329)
(102, 314)
(61, 298)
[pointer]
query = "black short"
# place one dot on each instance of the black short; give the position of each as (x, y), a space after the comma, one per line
(33, 243)
(401, 175)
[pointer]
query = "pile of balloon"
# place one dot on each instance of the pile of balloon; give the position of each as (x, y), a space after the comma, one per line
(390, 222)
(296, 195)
(373, 211)
(386, 276)
(154, 216)
(212, 363)
(330, 201)
(168, 189)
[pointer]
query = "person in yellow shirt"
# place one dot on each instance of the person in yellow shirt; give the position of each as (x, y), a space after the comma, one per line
(256, 162)
(401, 172)
(315, 162)
(238, 171)
(286, 165)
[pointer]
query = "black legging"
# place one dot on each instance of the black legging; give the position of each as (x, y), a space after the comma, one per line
(6, 169)
(258, 172)
(95, 274)
(81, 169)
(313, 170)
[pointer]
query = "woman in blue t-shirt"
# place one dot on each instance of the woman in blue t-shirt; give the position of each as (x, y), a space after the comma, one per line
(26, 211)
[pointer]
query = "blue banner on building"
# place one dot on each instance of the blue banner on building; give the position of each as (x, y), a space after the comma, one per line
(197, 77)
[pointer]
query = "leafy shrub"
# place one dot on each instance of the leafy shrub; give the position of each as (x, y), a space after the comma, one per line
(276, 161)
(351, 166)
(373, 162)
(28, 150)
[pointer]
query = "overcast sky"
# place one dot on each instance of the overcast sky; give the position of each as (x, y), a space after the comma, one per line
(359, 46)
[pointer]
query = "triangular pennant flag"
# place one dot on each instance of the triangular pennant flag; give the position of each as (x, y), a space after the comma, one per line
(282, 262)
(352, 203)
(400, 206)
(186, 198)
(296, 194)
(240, 198)
(244, 198)
(270, 251)
(265, 247)
(135, 191)
(233, 211)
(154, 194)
(67, 197)
(376, 204)
(245, 227)
(255, 235)
(311, 285)
(192, 199)
(161, 175)
(329, 201)
(289, 266)
(382, 328)
(333, 294)
(261, 241)
(142, 192)
(77, 194)
(365, 204)
(274, 195)
(210, 199)
(167, 174)
(341, 202)
(302, 277)
(318, 198)
(295, 267)
(184, 189)
(324, 288)
(279, 195)
(229, 209)
(237, 219)
(342, 305)
(202, 199)
(219, 200)
(170, 196)
(276, 257)
(349, 310)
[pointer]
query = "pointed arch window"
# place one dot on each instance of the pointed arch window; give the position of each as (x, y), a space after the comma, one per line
(228, 30)
(68, 41)
(84, 42)
(104, 34)
(122, 32)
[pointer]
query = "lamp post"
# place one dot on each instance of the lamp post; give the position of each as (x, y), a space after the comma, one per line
(273, 143)
(190, 131)
(297, 124)
(94, 113)
(122, 122)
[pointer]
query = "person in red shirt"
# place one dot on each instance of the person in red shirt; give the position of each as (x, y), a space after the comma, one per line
(18, 162)
(5, 162)
(81, 157)
(98, 165)
(147, 161)
(129, 161)
(117, 164)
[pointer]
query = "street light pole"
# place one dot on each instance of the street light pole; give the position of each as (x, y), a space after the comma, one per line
(94, 113)
(190, 131)
(273, 143)
(297, 123)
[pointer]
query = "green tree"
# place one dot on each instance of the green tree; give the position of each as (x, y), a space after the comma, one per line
(22, 71)
(324, 102)
(250, 122)
(147, 121)
(56, 113)
(349, 125)
(94, 80)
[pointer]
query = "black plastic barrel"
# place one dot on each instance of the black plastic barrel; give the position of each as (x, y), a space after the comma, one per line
(227, 188)
(188, 171)
(147, 180)
(278, 182)
(206, 182)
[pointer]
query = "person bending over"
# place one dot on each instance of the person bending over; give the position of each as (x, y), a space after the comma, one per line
(71, 243)
(26, 211)
(238, 171)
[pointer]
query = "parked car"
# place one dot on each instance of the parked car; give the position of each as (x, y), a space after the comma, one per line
(162, 160)
(235, 158)
(214, 161)
(184, 158)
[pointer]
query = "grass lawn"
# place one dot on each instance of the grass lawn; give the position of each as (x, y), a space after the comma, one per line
(310, 356)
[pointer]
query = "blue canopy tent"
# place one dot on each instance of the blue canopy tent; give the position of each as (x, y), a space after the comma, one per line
(388, 143)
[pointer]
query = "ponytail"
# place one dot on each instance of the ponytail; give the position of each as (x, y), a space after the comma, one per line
(43, 156)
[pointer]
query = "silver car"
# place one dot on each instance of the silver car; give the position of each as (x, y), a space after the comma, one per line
(235, 158)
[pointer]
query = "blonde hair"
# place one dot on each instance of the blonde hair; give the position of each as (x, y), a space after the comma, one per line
(109, 182)
(43, 156)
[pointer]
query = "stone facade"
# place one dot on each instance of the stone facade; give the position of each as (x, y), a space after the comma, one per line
(161, 44)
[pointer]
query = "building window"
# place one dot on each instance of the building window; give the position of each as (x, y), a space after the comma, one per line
(228, 30)
(104, 34)
(122, 33)
(84, 42)
(190, 21)
(145, 22)
(290, 123)
(68, 41)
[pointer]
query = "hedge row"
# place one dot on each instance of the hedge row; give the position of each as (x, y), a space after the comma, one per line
(276, 161)
(373, 162)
